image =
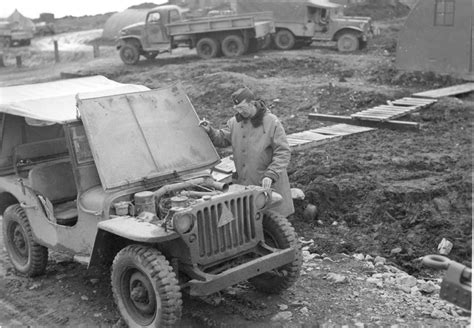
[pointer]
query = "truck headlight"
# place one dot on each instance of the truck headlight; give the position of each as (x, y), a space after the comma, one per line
(261, 200)
(183, 223)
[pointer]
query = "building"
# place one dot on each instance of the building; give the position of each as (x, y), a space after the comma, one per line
(438, 36)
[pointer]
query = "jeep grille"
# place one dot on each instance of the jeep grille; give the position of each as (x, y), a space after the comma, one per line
(230, 238)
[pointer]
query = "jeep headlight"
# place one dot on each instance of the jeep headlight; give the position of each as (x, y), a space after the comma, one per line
(261, 200)
(183, 223)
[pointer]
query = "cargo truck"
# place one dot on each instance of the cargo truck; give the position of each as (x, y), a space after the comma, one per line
(165, 29)
(301, 22)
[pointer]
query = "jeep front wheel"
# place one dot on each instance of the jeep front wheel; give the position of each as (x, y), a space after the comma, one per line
(279, 233)
(27, 256)
(284, 40)
(129, 54)
(347, 42)
(145, 288)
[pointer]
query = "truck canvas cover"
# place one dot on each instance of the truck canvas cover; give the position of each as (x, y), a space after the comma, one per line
(284, 10)
(145, 135)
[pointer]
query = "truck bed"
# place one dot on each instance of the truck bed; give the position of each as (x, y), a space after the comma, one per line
(262, 24)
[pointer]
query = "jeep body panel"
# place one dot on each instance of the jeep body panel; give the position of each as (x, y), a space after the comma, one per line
(158, 133)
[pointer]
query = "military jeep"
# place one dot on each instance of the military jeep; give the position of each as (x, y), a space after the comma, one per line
(126, 180)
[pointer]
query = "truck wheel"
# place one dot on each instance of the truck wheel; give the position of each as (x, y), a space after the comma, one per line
(207, 48)
(145, 288)
(284, 40)
(233, 46)
(27, 256)
(129, 54)
(347, 42)
(280, 234)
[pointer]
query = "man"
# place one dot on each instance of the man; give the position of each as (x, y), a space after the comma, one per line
(260, 148)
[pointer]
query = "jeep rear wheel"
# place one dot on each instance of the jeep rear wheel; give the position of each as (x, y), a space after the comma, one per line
(129, 53)
(284, 40)
(145, 288)
(347, 42)
(207, 48)
(27, 256)
(279, 234)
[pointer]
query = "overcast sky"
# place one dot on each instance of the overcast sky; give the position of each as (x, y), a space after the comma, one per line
(32, 8)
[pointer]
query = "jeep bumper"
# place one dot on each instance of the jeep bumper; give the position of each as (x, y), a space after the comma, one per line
(230, 277)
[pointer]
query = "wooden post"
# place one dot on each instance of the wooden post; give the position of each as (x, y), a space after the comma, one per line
(2, 63)
(96, 50)
(56, 51)
(18, 61)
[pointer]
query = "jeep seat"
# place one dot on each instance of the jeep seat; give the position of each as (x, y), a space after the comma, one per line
(55, 182)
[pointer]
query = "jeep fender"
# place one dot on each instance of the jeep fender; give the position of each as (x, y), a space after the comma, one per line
(347, 30)
(114, 234)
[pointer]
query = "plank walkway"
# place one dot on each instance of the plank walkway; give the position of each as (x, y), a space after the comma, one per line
(445, 92)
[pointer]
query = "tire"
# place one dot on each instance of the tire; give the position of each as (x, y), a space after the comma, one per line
(27, 256)
(142, 272)
(150, 54)
(207, 48)
(347, 42)
(280, 234)
(284, 40)
(233, 46)
(253, 45)
(129, 53)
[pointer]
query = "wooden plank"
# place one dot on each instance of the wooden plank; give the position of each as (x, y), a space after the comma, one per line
(448, 91)
(396, 125)
(308, 135)
(342, 129)
(412, 103)
(418, 100)
(391, 107)
(382, 111)
(298, 144)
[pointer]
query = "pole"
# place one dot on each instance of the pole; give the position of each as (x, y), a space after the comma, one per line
(96, 50)
(56, 51)
(18, 61)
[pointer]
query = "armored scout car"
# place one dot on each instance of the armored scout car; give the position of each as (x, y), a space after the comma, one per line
(126, 179)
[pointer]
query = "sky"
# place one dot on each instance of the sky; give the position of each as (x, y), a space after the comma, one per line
(32, 8)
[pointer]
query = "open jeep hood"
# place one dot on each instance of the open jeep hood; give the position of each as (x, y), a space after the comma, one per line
(145, 135)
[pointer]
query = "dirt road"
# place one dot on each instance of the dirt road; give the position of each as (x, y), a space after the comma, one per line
(384, 193)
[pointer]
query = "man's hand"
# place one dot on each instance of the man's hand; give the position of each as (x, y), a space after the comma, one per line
(266, 183)
(205, 124)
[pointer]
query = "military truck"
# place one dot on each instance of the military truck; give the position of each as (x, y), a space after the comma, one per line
(299, 23)
(11, 34)
(125, 179)
(165, 29)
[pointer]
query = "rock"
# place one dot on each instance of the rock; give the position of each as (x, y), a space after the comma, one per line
(445, 247)
(310, 212)
(336, 278)
(368, 257)
(396, 250)
(380, 259)
(283, 307)
(359, 256)
(438, 314)
(304, 311)
(282, 316)
(369, 265)
(297, 193)
(94, 281)
(428, 287)
(84, 298)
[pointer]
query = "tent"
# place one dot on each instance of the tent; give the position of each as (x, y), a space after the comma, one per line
(21, 21)
(438, 37)
(119, 20)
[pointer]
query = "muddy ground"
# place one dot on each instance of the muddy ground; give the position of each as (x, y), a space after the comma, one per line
(381, 193)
